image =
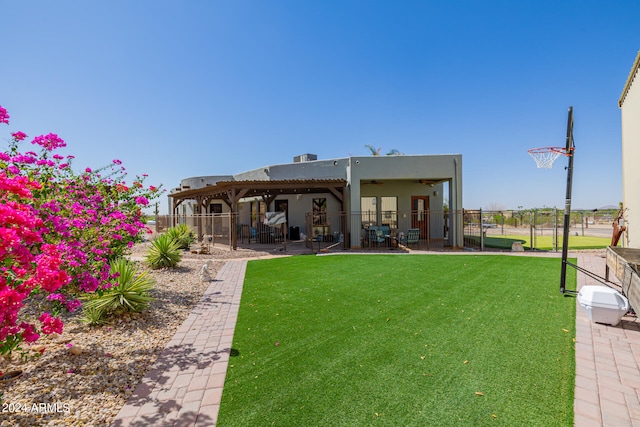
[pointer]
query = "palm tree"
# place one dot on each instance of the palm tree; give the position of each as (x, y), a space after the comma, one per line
(374, 152)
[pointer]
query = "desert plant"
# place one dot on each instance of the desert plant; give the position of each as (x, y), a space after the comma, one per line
(93, 316)
(182, 234)
(164, 252)
(130, 293)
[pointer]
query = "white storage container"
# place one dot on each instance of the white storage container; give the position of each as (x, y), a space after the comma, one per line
(603, 304)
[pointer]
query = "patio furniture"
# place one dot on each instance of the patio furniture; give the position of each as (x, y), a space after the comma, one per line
(412, 237)
(384, 231)
(374, 236)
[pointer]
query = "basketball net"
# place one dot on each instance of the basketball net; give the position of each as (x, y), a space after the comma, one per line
(545, 156)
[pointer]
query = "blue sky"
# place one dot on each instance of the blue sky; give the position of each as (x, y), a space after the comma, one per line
(181, 89)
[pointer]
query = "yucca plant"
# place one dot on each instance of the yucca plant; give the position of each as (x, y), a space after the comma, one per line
(93, 316)
(130, 293)
(182, 234)
(164, 252)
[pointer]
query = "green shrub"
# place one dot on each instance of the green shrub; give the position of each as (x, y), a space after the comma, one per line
(130, 293)
(93, 316)
(182, 234)
(164, 252)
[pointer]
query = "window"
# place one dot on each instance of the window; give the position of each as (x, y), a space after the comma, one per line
(389, 210)
(319, 211)
(379, 211)
(257, 212)
(368, 209)
(282, 206)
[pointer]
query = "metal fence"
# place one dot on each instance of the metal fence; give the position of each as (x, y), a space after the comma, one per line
(394, 230)
(386, 230)
(499, 229)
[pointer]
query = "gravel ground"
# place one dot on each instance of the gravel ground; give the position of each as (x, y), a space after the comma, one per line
(88, 388)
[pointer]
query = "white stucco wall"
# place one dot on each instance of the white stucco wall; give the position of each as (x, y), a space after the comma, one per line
(630, 111)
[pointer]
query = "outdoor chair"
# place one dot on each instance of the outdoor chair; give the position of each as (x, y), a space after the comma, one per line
(384, 232)
(411, 238)
(374, 237)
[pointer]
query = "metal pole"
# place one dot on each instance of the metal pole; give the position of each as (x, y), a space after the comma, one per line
(481, 231)
(567, 203)
(555, 229)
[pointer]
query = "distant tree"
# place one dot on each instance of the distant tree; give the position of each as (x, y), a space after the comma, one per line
(374, 151)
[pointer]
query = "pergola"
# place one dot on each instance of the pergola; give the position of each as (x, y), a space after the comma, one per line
(231, 192)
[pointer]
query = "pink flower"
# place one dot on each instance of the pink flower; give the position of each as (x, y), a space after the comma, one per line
(28, 333)
(56, 297)
(4, 116)
(50, 324)
(142, 201)
(49, 142)
(88, 170)
(117, 162)
(19, 136)
(73, 305)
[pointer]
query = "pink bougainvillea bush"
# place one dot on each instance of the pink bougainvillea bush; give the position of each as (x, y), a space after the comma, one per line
(58, 232)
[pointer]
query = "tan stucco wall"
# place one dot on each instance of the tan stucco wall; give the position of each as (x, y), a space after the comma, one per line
(630, 109)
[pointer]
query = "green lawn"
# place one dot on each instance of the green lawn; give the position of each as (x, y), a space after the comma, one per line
(545, 242)
(443, 340)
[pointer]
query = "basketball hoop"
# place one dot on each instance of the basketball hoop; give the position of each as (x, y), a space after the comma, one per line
(545, 156)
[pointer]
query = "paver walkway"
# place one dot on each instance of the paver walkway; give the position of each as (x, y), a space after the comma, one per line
(607, 391)
(184, 386)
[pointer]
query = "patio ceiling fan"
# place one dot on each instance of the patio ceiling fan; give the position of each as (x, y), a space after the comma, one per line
(373, 182)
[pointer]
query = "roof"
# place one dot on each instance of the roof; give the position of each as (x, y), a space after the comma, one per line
(632, 75)
(223, 189)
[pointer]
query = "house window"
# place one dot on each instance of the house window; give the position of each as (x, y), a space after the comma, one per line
(389, 211)
(257, 212)
(319, 211)
(379, 211)
(215, 208)
(282, 206)
(420, 209)
(368, 209)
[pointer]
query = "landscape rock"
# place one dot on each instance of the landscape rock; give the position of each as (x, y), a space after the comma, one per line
(94, 384)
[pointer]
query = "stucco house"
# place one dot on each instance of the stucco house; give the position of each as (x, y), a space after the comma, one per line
(629, 104)
(343, 200)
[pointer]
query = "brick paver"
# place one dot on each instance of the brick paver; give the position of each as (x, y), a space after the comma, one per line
(607, 367)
